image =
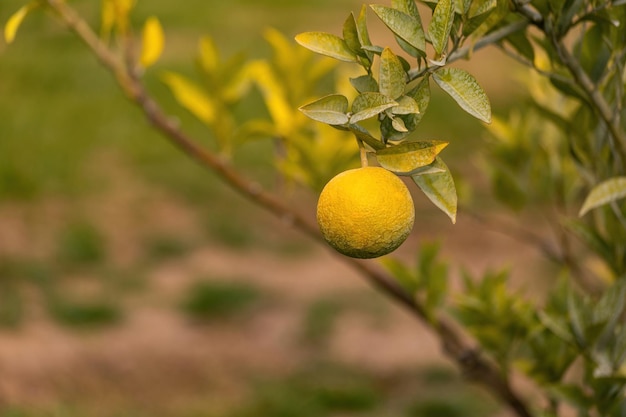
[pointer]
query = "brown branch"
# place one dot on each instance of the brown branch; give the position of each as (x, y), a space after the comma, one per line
(474, 365)
(563, 257)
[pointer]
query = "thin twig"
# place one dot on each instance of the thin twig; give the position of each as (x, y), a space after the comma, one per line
(490, 39)
(602, 108)
(595, 96)
(548, 250)
(455, 345)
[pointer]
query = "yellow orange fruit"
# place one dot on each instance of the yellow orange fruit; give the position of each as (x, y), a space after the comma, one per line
(365, 212)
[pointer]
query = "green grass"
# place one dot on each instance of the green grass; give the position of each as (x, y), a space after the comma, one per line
(81, 244)
(210, 300)
(160, 247)
(93, 314)
(321, 389)
(11, 304)
(319, 321)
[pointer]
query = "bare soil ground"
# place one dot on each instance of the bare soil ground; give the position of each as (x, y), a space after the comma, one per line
(157, 357)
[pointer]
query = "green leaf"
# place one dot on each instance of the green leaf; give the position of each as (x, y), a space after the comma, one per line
(351, 35)
(421, 94)
(408, 49)
(16, 19)
(576, 315)
(606, 192)
(398, 125)
(567, 87)
(432, 168)
(368, 105)
(440, 189)
(392, 78)
(407, 27)
(375, 49)
(401, 273)
(406, 157)
(406, 105)
(152, 41)
(593, 240)
(556, 325)
(465, 90)
(331, 109)
(573, 395)
(364, 84)
(520, 42)
(507, 189)
(362, 134)
(594, 52)
(327, 44)
(441, 24)
(433, 274)
(191, 97)
(361, 28)
(478, 13)
(410, 8)
(608, 313)
(407, 6)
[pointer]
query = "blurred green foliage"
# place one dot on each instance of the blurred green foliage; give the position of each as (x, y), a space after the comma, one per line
(210, 299)
(81, 244)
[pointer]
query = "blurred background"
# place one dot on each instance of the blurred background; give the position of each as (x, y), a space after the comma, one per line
(134, 283)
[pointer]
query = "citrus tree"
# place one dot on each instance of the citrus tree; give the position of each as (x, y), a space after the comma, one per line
(561, 152)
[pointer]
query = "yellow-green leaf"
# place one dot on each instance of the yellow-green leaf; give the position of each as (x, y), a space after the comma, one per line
(107, 18)
(392, 78)
(361, 27)
(465, 90)
(16, 19)
(441, 24)
(604, 193)
(398, 125)
(273, 93)
(115, 12)
(327, 44)
(152, 42)
(440, 189)
(191, 97)
(406, 105)
(208, 55)
(370, 104)
(406, 27)
(351, 35)
(406, 158)
(330, 109)
(407, 6)
(365, 84)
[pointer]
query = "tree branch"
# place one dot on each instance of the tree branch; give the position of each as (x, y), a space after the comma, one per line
(493, 37)
(602, 108)
(563, 257)
(474, 365)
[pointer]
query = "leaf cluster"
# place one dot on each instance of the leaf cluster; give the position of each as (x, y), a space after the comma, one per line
(394, 92)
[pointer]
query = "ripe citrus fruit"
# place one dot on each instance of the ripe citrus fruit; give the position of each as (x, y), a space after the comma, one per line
(365, 212)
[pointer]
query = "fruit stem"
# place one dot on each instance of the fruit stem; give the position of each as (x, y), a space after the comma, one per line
(363, 153)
